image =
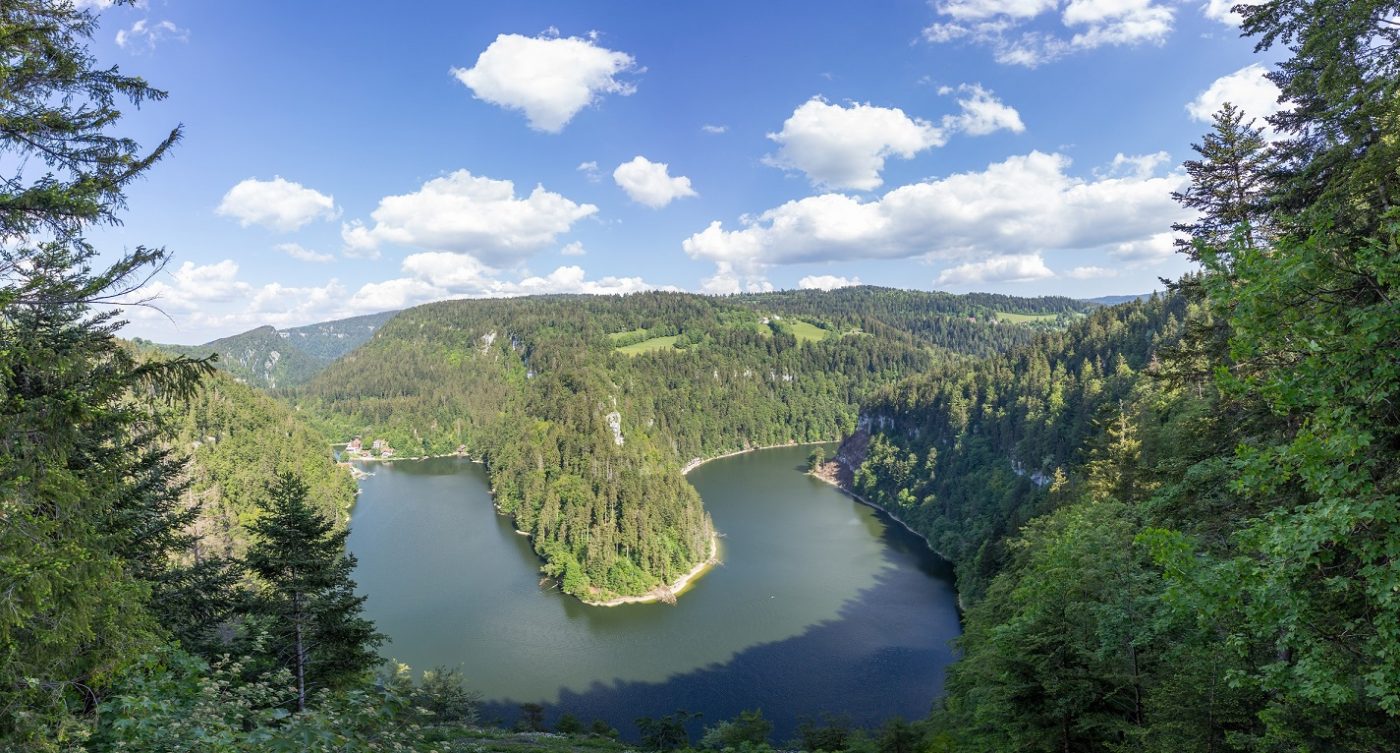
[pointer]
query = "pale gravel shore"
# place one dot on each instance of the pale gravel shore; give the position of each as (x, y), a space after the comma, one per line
(666, 593)
(670, 593)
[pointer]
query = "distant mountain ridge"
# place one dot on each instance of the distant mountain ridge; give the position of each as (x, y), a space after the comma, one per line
(270, 358)
(1114, 300)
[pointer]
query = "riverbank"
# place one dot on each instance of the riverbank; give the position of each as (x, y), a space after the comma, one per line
(666, 594)
(839, 475)
(697, 462)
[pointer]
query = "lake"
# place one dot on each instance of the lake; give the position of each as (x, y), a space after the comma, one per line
(821, 604)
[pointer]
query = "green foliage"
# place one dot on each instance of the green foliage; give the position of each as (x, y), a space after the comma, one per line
(240, 440)
(748, 730)
(831, 734)
(667, 732)
(174, 702)
(650, 345)
(307, 600)
(1252, 456)
(89, 495)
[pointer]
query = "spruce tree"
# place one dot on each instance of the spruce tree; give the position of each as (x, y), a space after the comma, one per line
(307, 597)
(88, 498)
(1229, 185)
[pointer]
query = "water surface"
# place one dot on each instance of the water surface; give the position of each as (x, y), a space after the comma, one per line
(821, 604)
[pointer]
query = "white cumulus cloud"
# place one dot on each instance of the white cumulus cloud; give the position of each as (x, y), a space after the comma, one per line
(1002, 268)
(1246, 88)
(548, 78)
(651, 183)
(826, 282)
(1005, 26)
(1091, 273)
(468, 214)
(573, 248)
(278, 204)
(846, 147)
(297, 251)
(1024, 204)
(714, 129)
(439, 275)
(982, 113)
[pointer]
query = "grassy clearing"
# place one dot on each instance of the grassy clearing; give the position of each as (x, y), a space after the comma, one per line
(1006, 316)
(647, 346)
(804, 331)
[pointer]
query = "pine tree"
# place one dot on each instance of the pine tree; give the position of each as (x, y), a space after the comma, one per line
(1229, 185)
(88, 498)
(307, 596)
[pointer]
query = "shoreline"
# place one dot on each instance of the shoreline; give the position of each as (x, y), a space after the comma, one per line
(667, 594)
(834, 481)
(670, 593)
(697, 462)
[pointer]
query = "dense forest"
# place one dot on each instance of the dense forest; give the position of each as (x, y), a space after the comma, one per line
(585, 408)
(1175, 524)
(1174, 520)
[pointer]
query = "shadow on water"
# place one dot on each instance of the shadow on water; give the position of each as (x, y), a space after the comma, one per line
(893, 640)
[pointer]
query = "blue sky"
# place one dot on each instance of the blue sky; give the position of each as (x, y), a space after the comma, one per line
(344, 157)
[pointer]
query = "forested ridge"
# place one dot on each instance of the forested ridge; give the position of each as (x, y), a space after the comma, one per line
(1175, 523)
(585, 440)
(271, 358)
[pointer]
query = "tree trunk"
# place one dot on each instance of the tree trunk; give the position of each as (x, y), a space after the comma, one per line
(301, 652)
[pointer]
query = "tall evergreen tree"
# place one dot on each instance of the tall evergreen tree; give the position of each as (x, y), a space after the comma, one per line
(88, 497)
(308, 598)
(1229, 184)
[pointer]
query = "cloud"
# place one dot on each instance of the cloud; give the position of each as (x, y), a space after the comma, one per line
(1155, 248)
(1002, 26)
(846, 147)
(1137, 165)
(1223, 11)
(649, 183)
(590, 171)
(1003, 268)
(715, 129)
(212, 298)
(468, 214)
(296, 251)
(548, 78)
(277, 204)
(146, 35)
(1024, 204)
(982, 113)
(727, 281)
(1247, 88)
(573, 248)
(1091, 273)
(438, 275)
(826, 282)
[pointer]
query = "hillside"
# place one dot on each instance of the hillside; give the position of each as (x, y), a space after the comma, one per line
(586, 408)
(238, 440)
(270, 358)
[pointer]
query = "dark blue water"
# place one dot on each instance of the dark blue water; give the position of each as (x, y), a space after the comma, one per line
(821, 605)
